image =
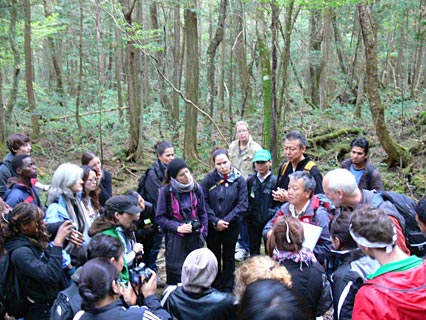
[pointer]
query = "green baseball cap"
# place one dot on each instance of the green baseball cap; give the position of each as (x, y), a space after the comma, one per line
(262, 155)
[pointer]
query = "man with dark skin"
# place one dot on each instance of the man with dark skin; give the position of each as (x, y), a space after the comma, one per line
(23, 184)
(359, 164)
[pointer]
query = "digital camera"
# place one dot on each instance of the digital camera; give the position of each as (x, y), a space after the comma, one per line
(136, 274)
(196, 225)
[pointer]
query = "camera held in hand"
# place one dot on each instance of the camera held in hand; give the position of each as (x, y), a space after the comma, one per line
(136, 274)
(196, 225)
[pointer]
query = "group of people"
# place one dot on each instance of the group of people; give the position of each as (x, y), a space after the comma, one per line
(100, 250)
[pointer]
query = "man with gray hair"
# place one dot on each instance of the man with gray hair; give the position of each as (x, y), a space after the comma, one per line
(397, 289)
(304, 205)
(341, 188)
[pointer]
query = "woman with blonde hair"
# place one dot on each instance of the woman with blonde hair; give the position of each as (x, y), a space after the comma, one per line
(256, 268)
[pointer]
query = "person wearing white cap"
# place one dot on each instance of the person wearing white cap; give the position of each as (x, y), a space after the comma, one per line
(397, 289)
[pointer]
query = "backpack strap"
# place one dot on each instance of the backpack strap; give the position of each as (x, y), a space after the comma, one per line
(309, 165)
(369, 176)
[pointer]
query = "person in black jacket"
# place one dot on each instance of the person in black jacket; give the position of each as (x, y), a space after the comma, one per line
(297, 160)
(308, 276)
(24, 235)
(100, 290)
(104, 177)
(225, 191)
(149, 190)
(259, 186)
(195, 299)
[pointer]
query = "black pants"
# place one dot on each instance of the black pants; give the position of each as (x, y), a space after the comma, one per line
(39, 311)
(255, 238)
(177, 249)
(222, 244)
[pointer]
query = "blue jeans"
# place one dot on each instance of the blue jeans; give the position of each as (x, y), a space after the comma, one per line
(243, 240)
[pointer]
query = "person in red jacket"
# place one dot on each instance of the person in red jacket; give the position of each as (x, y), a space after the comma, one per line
(397, 289)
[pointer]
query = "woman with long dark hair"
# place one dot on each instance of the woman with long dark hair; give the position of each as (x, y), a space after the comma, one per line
(181, 213)
(104, 177)
(100, 290)
(149, 188)
(90, 195)
(225, 191)
(39, 266)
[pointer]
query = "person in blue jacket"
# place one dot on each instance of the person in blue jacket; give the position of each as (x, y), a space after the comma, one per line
(23, 184)
(225, 191)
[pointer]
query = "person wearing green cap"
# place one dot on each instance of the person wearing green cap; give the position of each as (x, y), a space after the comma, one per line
(260, 186)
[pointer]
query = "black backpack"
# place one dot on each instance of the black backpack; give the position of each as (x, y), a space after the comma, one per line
(415, 239)
(142, 182)
(67, 304)
(13, 299)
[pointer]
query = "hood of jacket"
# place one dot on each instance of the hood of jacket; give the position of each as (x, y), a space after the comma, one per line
(99, 225)
(18, 241)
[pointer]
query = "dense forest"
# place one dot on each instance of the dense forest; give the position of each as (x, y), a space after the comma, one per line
(115, 76)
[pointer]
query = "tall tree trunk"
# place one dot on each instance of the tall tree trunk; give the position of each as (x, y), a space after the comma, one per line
(315, 61)
(397, 154)
(16, 65)
(275, 15)
(420, 39)
(80, 71)
(338, 41)
(192, 71)
(239, 52)
(29, 77)
(118, 69)
(324, 75)
(265, 65)
(55, 60)
(134, 98)
(211, 55)
(99, 39)
(177, 63)
(159, 55)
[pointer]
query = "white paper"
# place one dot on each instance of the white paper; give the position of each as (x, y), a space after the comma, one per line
(312, 234)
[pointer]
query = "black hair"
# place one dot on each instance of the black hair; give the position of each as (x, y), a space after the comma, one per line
(339, 227)
(161, 146)
(421, 209)
(296, 135)
(17, 140)
(361, 143)
(218, 151)
(95, 283)
(23, 214)
(18, 161)
(269, 299)
(102, 245)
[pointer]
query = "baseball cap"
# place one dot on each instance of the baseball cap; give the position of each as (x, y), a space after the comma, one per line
(262, 155)
(121, 204)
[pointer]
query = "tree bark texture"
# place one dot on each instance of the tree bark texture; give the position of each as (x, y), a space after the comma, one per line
(315, 59)
(397, 154)
(29, 75)
(192, 71)
(16, 66)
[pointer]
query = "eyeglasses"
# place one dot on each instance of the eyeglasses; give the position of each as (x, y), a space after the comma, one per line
(242, 131)
(92, 180)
